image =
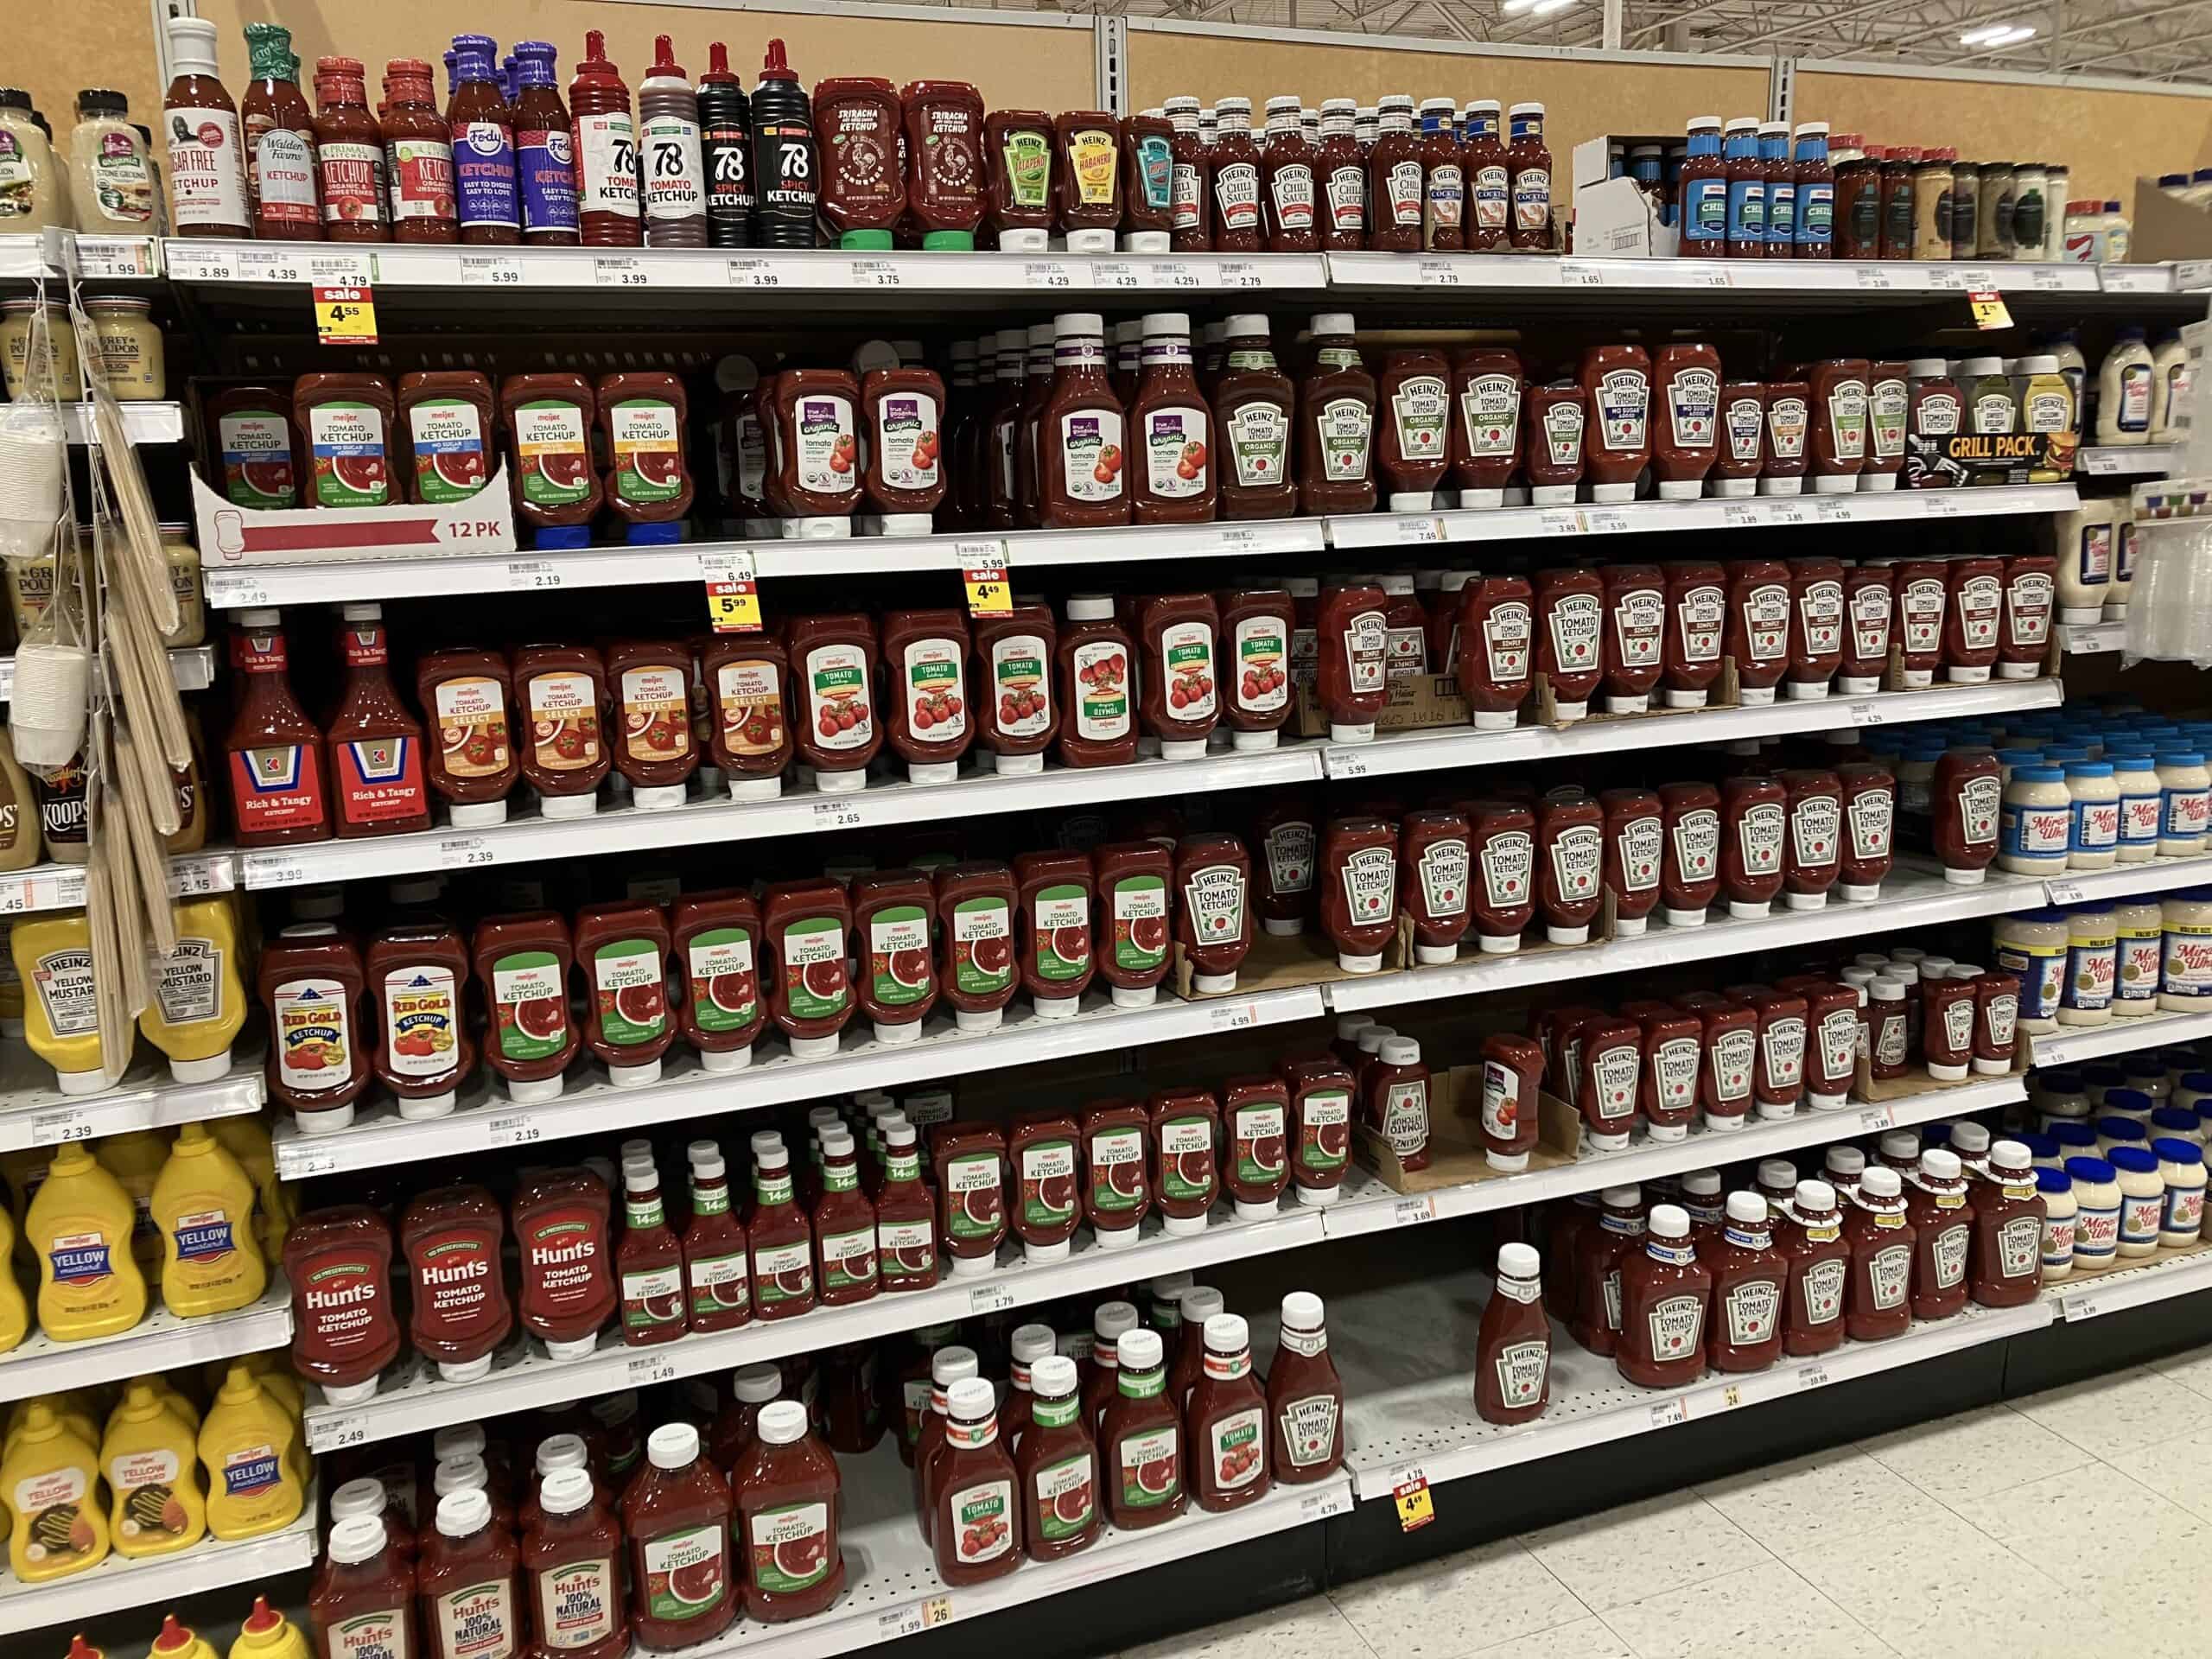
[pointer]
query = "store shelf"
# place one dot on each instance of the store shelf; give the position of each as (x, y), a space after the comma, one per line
(1900, 279)
(487, 1120)
(119, 1582)
(142, 422)
(2124, 461)
(2136, 279)
(1046, 279)
(892, 1588)
(2072, 1044)
(2092, 638)
(1914, 896)
(1394, 753)
(61, 886)
(416, 1402)
(25, 257)
(373, 575)
(193, 668)
(160, 1342)
(1369, 1206)
(1520, 524)
(704, 822)
(36, 1113)
(2156, 1280)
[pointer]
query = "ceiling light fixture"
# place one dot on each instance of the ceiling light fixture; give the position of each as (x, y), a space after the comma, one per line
(1549, 8)
(1993, 36)
(1508, 7)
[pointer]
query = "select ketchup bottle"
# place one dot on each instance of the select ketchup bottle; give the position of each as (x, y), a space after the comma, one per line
(607, 150)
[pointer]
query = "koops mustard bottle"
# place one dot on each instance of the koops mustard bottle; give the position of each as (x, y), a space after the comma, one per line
(199, 992)
(203, 1204)
(134, 1159)
(155, 1505)
(267, 1634)
(51, 1477)
(62, 1019)
(14, 1311)
(80, 1228)
(246, 1446)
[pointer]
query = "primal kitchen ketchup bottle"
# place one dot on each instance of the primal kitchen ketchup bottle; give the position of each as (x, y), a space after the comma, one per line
(607, 150)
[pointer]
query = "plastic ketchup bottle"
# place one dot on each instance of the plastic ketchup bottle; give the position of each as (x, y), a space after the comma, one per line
(607, 150)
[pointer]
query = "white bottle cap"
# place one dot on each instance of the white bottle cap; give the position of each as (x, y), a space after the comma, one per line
(1880, 1182)
(952, 1362)
(673, 1445)
(1302, 1311)
(357, 1497)
(1702, 1182)
(1621, 1198)
(1669, 1221)
(461, 1474)
(557, 1451)
(1330, 323)
(1746, 1207)
(1030, 1342)
(1112, 1319)
(1139, 1350)
(1052, 1375)
(1200, 1303)
(1815, 1196)
(756, 1385)
(1078, 325)
(458, 1440)
(1518, 1262)
(361, 1537)
(1227, 1333)
(1090, 607)
(1399, 1051)
(564, 1491)
(1778, 1173)
(782, 1423)
(1167, 325)
(463, 1512)
(1939, 1164)
(972, 1400)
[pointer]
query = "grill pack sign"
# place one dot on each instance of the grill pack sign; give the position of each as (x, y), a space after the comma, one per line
(1954, 456)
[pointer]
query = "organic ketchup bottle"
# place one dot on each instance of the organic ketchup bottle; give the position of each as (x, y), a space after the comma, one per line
(607, 150)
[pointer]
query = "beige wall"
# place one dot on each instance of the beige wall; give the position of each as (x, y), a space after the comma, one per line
(2106, 140)
(1014, 68)
(1580, 100)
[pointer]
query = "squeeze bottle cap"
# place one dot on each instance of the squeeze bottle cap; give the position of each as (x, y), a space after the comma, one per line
(458, 1440)
(558, 1451)
(356, 1539)
(1778, 1173)
(1880, 1182)
(1114, 1319)
(1518, 1262)
(359, 1499)
(664, 64)
(1748, 1208)
(1053, 1377)
(718, 69)
(950, 1364)
(1669, 1221)
(1702, 1182)
(972, 1400)
(264, 1621)
(1140, 1350)
(564, 1491)
(1621, 1198)
(462, 1474)
(1031, 1342)
(192, 52)
(1227, 1333)
(673, 1445)
(775, 66)
(756, 1385)
(784, 1421)
(463, 1512)
(1813, 1196)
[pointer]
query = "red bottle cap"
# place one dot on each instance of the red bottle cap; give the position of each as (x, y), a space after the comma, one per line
(80, 1649)
(664, 61)
(718, 69)
(595, 59)
(175, 1637)
(775, 67)
(263, 1619)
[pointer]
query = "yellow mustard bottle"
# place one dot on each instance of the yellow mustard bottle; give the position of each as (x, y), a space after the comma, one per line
(61, 1018)
(180, 1405)
(15, 1309)
(245, 1139)
(24, 1169)
(203, 1204)
(135, 1157)
(12, 985)
(267, 1634)
(152, 1464)
(244, 1442)
(69, 1405)
(51, 1475)
(199, 992)
(80, 1227)
(179, 1641)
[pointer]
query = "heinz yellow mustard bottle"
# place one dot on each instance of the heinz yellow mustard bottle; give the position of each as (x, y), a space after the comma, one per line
(244, 1445)
(80, 1228)
(203, 1204)
(151, 1460)
(51, 1476)
(61, 1016)
(199, 992)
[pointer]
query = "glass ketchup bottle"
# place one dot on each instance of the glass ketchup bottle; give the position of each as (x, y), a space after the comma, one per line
(276, 750)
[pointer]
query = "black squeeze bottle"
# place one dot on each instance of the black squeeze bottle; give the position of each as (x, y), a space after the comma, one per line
(786, 166)
(726, 140)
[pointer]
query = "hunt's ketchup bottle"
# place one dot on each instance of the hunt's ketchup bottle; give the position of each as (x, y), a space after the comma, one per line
(607, 150)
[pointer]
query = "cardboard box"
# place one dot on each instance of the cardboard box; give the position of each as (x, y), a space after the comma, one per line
(1455, 1147)
(1614, 219)
(232, 538)
(2166, 229)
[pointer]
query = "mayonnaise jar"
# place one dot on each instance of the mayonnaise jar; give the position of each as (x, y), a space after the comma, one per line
(2035, 821)
(2142, 799)
(2140, 939)
(2032, 947)
(2092, 960)
(2092, 838)
(2142, 1198)
(2059, 1206)
(2096, 1210)
(2185, 792)
(2180, 1166)
(2186, 971)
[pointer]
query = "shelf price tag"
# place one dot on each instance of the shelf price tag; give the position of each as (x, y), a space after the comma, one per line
(58, 1129)
(2071, 1308)
(1813, 1377)
(1415, 1507)
(1346, 763)
(1047, 273)
(536, 575)
(1876, 1117)
(837, 814)
(1668, 1413)
(648, 1368)
(336, 1434)
(1571, 274)
(1831, 509)
(619, 273)
(1560, 521)
(490, 270)
(874, 273)
(1940, 506)
(514, 1129)
(270, 265)
(733, 596)
(272, 870)
(1786, 512)
(346, 315)
(305, 1163)
(1113, 273)
(1236, 1016)
(1440, 273)
(2064, 893)
(464, 853)
(990, 590)
(1421, 529)
(1320, 1506)
(1407, 1212)
(1239, 273)
(914, 1618)
(1738, 515)
(1600, 521)
(1174, 273)
(1874, 277)
(753, 273)
(1868, 714)
(990, 1298)
(1988, 307)
(2050, 281)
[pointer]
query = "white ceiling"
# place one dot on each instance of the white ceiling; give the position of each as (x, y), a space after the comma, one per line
(2151, 40)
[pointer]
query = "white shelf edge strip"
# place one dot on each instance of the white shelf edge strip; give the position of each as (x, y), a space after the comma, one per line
(162, 1342)
(119, 1581)
(61, 886)
(39, 1115)
(192, 668)
(2071, 1044)
(941, 1052)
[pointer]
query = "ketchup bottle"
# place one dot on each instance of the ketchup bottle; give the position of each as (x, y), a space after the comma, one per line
(786, 162)
(607, 150)
(726, 141)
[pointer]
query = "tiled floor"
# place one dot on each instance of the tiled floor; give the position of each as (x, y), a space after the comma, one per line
(1950, 1541)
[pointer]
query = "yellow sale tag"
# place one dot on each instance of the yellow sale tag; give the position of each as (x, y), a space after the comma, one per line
(990, 590)
(346, 315)
(1415, 1507)
(1989, 310)
(732, 597)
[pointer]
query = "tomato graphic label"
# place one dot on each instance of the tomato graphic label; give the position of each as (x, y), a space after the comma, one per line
(564, 720)
(898, 955)
(314, 1039)
(1405, 1117)
(1065, 1498)
(652, 1297)
(782, 1273)
(350, 466)
(789, 1547)
(1186, 652)
(256, 453)
(530, 1002)
(632, 1007)
(1176, 449)
(837, 680)
(1309, 1428)
(1214, 899)
(1117, 1169)
(1324, 1130)
(1234, 1446)
(471, 714)
(1139, 923)
(687, 1573)
(1443, 869)
(1090, 455)
(1258, 1136)
(1263, 679)
(982, 946)
(449, 437)
(983, 1517)
(848, 1259)
(1371, 884)
(815, 986)
(1186, 1159)
(1048, 1194)
(648, 450)
(421, 1016)
(656, 712)
(935, 699)
(907, 439)
(1289, 852)
(1101, 694)
(575, 1604)
(826, 443)
(1060, 923)
(725, 991)
(907, 1249)
(1150, 1474)
(555, 457)
(1017, 678)
(973, 1197)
